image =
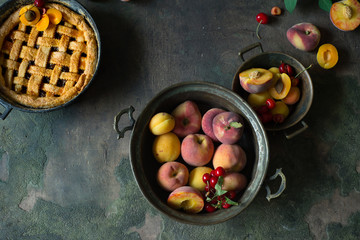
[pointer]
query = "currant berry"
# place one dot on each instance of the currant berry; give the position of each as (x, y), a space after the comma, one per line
(207, 188)
(213, 181)
(39, 3)
(209, 208)
(206, 177)
(225, 205)
(213, 173)
(270, 103)
(231, 194)
(219, 171)
(282, 68)
(262, 109)
(266, 117)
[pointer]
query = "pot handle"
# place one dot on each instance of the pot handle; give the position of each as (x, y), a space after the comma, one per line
(117, 118)
(282, 187)
(7, 110)
(248, 48)
(296, 132)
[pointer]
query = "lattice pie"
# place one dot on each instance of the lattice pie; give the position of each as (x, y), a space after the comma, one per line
(44, 69)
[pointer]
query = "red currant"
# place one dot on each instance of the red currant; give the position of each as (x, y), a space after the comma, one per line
(290, 70)
(213, 181)
(209, 208)
(231, 194)
(226, 205)
(282, 68)
(207, 187)
(206, 177)
(262, 18)
(219, 171)
(262, 109)
(39, 3)
(266, 117)
(213, 173)
(270, 103)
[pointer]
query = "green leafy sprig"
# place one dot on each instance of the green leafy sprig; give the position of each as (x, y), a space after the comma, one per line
(219, 192)
(323, 4)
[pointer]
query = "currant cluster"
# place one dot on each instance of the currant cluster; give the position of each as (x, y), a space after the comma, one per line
(216, 197)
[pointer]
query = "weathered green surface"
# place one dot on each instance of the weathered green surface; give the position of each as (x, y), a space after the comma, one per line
(64, 175)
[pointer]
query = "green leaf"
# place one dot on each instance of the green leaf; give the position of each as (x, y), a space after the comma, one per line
(231, 202)
(290, 5)
(218, 188)
(235, 125)
(325, 5)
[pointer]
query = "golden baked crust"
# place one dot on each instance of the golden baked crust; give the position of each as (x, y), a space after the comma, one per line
(49, 68)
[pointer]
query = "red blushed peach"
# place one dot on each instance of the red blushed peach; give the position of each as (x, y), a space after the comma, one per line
(207, 120)
(186, 198)
(345, 14)
(292, 97)
(256, 80)
(228, 127)
(234, 181)
(172, 175)
(197, 149)
(187, 119)
(304, 36)
(231, 157)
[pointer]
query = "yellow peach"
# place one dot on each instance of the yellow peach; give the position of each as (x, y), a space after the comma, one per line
(161, 123)
(186, 198)
(196, 177)
(166, 147)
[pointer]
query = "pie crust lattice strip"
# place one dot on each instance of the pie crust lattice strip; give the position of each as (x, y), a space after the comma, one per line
(49, 68)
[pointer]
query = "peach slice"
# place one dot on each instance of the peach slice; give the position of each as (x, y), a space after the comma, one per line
(26, 14)
(43, 24)
(345, 15)
(186, 198)
(281, 92)
(327, 56)
(255, 80)
(55, 15)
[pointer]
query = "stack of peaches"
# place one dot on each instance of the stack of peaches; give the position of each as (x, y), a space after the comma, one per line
(272, 92)
(192, 148)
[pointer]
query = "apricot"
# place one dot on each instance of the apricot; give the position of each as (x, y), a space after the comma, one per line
(256, 100)
(27, 17)
(281, 88)
(345, 15)
(55, 15)
(280, 108)
(292, 97)
(166, 147)
(43, 24)
(327, 56)
(161, 123)
(196, 177)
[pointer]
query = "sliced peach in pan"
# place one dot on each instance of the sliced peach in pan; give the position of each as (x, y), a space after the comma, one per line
(345, 15)
(55, 15)
(327, 56)
(281, 88)
(256, 80)
(43, 24)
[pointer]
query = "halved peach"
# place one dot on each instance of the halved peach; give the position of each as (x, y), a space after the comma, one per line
(186, 198)
(43, 24)
(27, 13)
(281, 88)
(55, 15)
(345, 15)
(327, 56)
(255, 80)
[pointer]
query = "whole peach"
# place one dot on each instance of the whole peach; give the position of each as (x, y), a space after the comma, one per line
(197, 149)
(172, 175)
(234, 181)
(230, 157)
(187, 119)
(207, 120)
(196, 177)
(166, 147)
(186, 198)
(228, 127)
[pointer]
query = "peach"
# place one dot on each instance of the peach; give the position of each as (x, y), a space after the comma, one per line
(230, 157)
(345, 15)
(327, 56)
(255, 80)
(166, 147)
(304, 36)
(196, 177)
(228, 127)
(234, 181)
(187, 119)
(292, 97)
(161, 123)
(172, 175)
(186, 198)
(197, 149)
(207, 120)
